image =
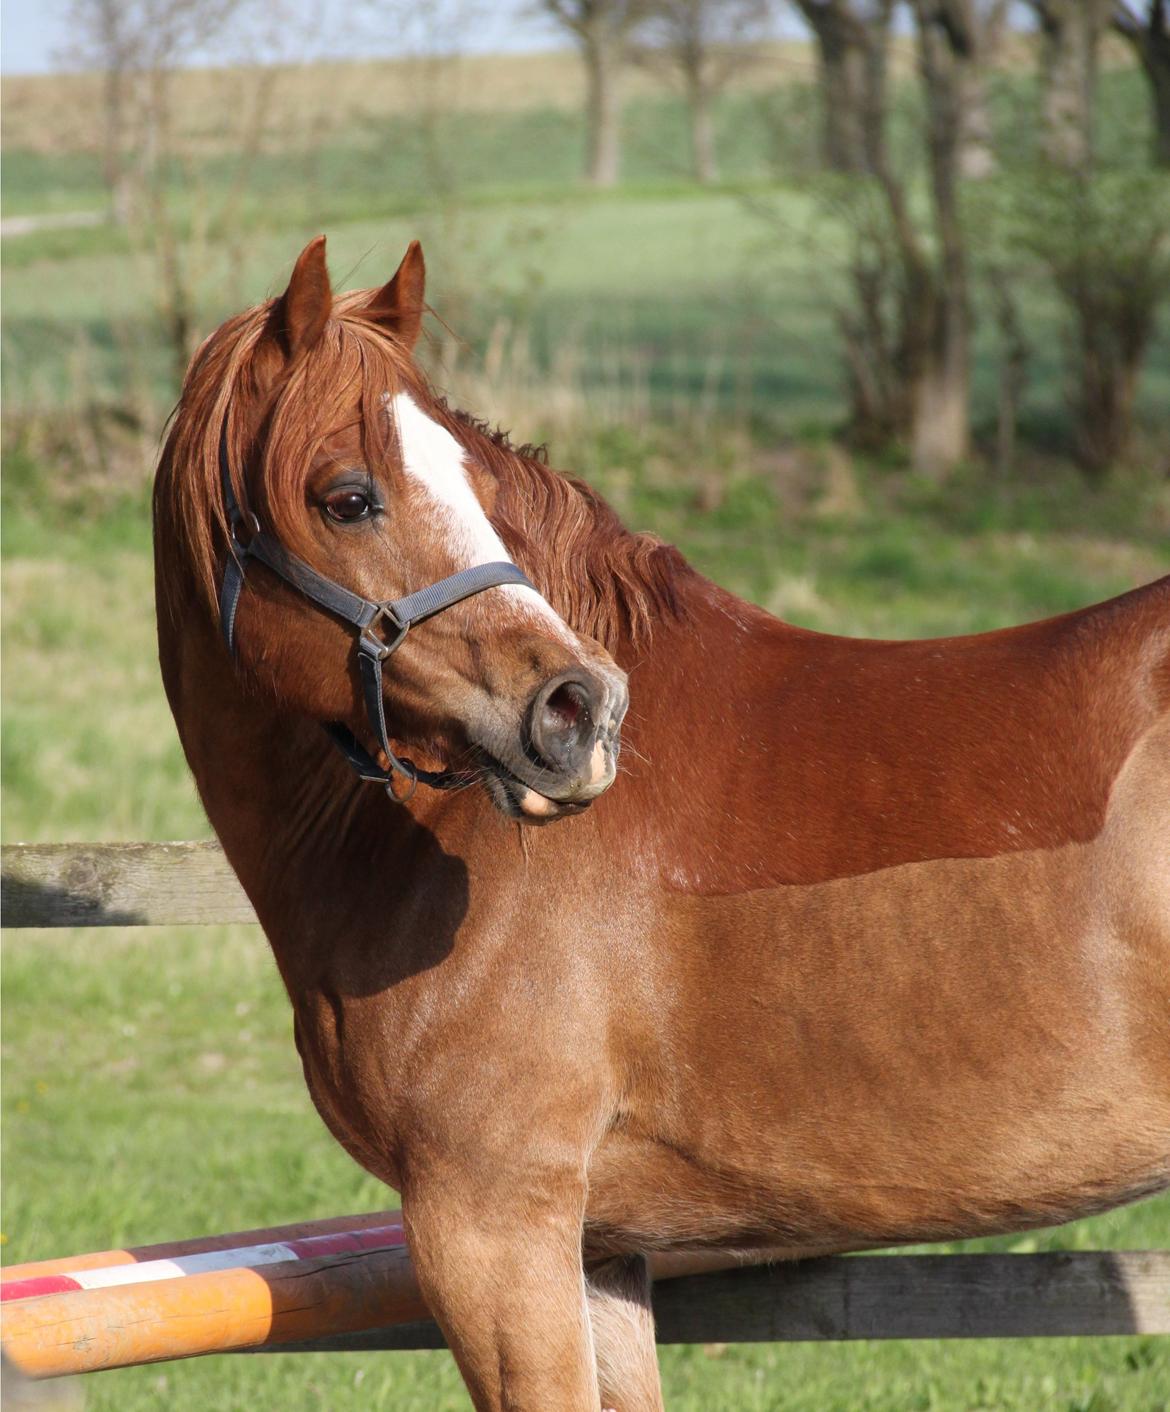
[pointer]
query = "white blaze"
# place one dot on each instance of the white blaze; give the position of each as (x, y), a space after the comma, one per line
(435, 460)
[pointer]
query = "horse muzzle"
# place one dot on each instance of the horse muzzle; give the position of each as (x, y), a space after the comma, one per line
(569, 743)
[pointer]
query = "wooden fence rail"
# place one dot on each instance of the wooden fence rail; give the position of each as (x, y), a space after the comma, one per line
(868, 1297)
(1055, 1294)
(119, 885)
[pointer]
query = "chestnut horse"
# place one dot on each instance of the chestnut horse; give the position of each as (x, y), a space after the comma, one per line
(869, 944)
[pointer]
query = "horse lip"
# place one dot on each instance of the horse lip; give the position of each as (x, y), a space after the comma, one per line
(539, 780)
(516, 769)
(508, 791)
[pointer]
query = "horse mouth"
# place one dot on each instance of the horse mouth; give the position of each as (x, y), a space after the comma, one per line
(560, 756)
(520, 801)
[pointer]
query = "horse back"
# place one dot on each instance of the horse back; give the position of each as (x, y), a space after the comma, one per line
(848, 756)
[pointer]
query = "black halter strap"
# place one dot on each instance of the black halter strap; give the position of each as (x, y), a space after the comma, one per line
(394, 617)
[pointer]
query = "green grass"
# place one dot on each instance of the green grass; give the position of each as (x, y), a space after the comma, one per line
(751, 335)
(696, 298)
(383, 166)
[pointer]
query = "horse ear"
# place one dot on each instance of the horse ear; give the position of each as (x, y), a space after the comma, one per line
(399, 305)
(303, 309)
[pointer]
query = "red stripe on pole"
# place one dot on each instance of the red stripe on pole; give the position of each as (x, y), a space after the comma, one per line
(32, 1289)
(353, 1242)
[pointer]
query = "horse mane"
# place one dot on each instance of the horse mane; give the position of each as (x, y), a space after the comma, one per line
(604, 581)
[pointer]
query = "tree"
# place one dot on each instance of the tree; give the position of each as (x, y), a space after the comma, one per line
(976, 139)
(602, 28)
(1103, 239)
(947, 51)
(110, 46)
(907, 330)
(707, 42)
(851, 38)
(1070, 38)
(138, 46)
(1149, 33)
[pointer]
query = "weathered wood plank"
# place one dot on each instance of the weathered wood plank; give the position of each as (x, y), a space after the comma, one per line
(119, 885)
(883, 1297)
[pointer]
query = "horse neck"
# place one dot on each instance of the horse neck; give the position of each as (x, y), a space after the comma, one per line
(271, 783)
(289, 810)
(689, 685)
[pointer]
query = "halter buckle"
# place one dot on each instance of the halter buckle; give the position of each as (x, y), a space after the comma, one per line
(377, 647)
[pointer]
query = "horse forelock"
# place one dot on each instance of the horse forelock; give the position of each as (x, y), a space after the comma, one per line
(603, 580)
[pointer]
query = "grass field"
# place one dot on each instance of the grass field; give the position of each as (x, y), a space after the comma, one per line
(676, 346)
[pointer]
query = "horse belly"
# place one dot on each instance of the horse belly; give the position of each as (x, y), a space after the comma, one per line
(946, 1049)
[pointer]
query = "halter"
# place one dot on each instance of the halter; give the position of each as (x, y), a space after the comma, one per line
(395, 617)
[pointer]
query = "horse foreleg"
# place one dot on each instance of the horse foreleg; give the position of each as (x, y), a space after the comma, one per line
(623, 1335)
(501, 1271)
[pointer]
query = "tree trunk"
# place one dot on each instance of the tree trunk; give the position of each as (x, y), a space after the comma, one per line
(976, 148)
(851, 62)
(1108, 380)
(940, 414)
(940, 411)
(706, 167)
(842, 99)
(877, 35)
(1013, 370)
(1070, 38)
(117, 177)
(915, 378)
(1151, 42)
(602, 111)
(1115, 318)
(977, 159)
(1160, 93)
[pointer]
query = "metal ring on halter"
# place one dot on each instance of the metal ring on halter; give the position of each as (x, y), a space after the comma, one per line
(379, 647)
(407, 769)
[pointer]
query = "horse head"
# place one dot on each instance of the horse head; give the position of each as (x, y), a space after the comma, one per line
(334, 451)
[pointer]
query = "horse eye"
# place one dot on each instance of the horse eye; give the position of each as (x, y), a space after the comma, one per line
(346, 506)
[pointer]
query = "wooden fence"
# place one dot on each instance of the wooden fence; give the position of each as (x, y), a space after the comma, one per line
(866, 1297)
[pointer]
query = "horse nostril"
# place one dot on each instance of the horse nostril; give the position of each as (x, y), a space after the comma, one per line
(562, 721)
(565, 707)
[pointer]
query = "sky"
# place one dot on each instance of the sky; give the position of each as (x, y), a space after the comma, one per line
(34, 34)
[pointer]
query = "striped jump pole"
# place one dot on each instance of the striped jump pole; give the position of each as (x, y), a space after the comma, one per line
(347, 1284)
(259, 1289)
(198, 1245)
(120, 1308)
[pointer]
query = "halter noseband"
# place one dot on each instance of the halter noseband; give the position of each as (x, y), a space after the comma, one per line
(397, 616)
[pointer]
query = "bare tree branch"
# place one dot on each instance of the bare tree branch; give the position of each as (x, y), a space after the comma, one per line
(852, 38)
(602, 29)
(707, 42)
(1149, 35)
(1070, 34)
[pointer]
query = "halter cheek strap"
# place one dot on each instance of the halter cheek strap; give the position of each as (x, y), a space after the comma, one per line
(395, 617)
